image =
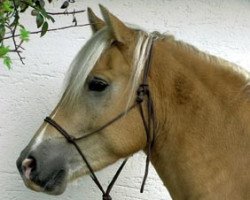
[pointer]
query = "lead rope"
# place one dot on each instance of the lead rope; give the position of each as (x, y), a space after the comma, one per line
(149, 126)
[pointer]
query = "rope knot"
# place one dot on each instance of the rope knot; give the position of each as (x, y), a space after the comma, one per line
(70, 138)
(106, 197)
(141, 92)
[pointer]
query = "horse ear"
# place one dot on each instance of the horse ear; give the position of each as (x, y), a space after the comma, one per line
(95, 22)
(119, 30)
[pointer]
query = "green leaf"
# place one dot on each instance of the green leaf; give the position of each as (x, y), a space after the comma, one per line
(43, 12)
(50, 18)
(23, 6)
(41, 3)
(7, 6)
(3, 51)
(65, 5)
(7, 62)
(44, 28)
(34, 12)
(46, 15)
(24, 34)
(39, 20)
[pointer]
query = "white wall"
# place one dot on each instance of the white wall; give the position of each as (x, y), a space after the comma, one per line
(28, 93)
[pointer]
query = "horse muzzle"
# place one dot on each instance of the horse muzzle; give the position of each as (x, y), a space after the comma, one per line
(43, 170)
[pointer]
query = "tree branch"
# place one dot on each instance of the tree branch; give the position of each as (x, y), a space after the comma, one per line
(66, 12)
(56, 13)
(15, 51)
(53, 29)
(13, 31)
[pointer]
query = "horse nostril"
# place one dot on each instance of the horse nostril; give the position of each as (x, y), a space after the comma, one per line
(28, 165)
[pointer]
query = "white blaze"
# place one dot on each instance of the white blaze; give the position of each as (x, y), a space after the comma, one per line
(40, 136)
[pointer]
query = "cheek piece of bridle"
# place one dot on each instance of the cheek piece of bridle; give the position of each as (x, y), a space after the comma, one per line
(147, 120)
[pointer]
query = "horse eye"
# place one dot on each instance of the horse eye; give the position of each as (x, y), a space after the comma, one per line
(97, 84)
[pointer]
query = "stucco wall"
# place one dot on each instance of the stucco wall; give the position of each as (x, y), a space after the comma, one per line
(28, 93)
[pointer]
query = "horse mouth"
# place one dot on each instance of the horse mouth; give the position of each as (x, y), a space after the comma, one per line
(52, 184)
(55, 184)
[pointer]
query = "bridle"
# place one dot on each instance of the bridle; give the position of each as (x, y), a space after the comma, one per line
(149, 125)
(148, 122)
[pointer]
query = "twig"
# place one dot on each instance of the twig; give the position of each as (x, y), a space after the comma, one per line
(66, 13)
(19, 46)
(55, 13)
(53, 29)
(15, 51)
(13, 31)
(17, 43)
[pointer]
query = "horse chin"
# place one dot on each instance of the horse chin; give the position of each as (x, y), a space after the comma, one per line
(54, 186)
(56, 190)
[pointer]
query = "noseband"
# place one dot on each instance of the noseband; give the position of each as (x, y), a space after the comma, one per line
(148, 122)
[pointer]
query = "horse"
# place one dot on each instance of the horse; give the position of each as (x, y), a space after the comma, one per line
(201, 104)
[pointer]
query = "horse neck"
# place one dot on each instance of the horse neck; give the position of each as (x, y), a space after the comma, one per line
(195, 96)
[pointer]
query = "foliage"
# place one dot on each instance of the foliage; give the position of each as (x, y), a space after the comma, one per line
(11, 28)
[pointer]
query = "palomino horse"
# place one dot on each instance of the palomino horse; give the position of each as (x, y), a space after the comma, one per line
(201, 147)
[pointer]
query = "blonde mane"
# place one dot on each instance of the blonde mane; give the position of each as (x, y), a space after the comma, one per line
(82, 65)
(89, 54)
